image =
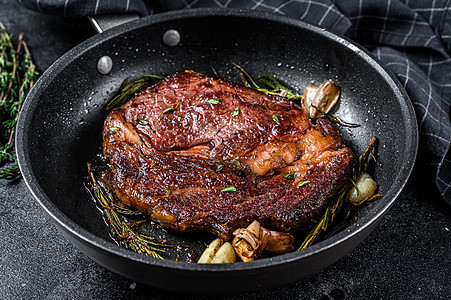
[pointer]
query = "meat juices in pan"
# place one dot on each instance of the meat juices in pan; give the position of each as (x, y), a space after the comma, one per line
(184, 140)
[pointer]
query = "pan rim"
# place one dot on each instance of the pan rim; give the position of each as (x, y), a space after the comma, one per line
(93, 240)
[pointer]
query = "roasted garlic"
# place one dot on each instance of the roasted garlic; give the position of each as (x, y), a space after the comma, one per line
(363, 189)
(252, 240)
(218, 252)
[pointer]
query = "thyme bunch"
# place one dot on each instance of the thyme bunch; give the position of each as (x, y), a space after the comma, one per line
(17, 73)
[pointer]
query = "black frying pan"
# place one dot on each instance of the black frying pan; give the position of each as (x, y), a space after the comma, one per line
(60, 124)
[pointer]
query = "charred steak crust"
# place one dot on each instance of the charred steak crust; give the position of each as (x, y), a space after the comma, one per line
(174, 165)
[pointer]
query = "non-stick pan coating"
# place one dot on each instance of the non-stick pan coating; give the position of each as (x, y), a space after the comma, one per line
(61, 121)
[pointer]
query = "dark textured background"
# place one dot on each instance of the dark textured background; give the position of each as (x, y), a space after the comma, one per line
(406, 257)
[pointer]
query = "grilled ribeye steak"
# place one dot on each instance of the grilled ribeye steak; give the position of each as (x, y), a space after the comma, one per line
(175, 164)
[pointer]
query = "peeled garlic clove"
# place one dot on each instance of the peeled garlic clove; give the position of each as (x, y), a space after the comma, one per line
(364, 188)
(209, 253)
(218, 252)
(225, 255)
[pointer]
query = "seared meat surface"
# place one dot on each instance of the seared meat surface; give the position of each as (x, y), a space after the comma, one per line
(173, 165)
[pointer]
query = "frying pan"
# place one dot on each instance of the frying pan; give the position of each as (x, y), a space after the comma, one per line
(60, 125)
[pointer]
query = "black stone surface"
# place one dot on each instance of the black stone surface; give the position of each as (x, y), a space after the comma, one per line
(406, 257)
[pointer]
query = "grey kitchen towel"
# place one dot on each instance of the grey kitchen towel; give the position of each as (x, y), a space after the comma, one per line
(411, 37)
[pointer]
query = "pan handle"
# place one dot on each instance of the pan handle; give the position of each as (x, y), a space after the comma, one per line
(105, 22)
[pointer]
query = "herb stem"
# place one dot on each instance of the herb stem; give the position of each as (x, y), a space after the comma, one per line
(124, 231)
(330, 215)
(17, 72)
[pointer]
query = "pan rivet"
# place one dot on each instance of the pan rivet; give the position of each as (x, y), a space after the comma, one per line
(104, 65)
(171, 38)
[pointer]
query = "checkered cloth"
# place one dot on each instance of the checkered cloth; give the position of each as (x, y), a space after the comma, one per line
(412, 38)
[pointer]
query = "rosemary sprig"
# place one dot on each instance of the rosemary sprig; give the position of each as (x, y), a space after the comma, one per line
(17, 72)
(275, 86)
(126, 233)
(335, 119)
(329, 216)
(363, 160)
(127, 90)
(269, 85)
(246, 78)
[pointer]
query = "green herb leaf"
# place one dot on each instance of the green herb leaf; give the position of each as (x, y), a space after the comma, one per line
(229, 189)
(335, 208)
(169, 109)
(213, 101)
(142, 122)
(17, 74)
(247, 79)
(270, 85)
(302, 183)
(237, 162)
(10, 172)
(124, 230)
(289, 176)
(236, 112)
(115, 129)
(277, 85)
(219, 168)
(127, 90)
(167, 191)
(276, 119)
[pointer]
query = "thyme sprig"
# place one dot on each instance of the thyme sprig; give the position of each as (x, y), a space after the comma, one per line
(126, 233)
(127, 90)
(17, 73)
(335, 208)
(10, 172)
